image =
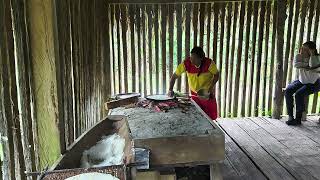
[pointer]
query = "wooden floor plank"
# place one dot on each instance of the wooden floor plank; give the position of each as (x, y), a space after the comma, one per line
(271, 167)
(284, 154)
(307, 131)
(237, 165)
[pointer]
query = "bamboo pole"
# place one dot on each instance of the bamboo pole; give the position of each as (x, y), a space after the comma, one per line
(138, 14)
(150, 57)
(112, 8)
(187, 37)
(208, 8)
(253, 53)
(286, 59)
(277, 106)
(133, 46)
(293, 40)
(239, 58)
(144, 50)
(124, 27)
(171, 29)
(178, 8)
(7, 166)
(274, 26)
(195, 19)
(310, 18)
(266, 47)
(246, 57)
(202, 14)
(226, 62)
(117, 16)
(259, 57)
(216, 8)
(220, 62)
(164, 15)
(232, 57)
(156, 29)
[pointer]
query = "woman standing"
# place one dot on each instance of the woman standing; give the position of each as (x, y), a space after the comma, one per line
(202, 76)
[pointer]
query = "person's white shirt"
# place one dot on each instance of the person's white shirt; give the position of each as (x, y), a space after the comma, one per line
(307, 76)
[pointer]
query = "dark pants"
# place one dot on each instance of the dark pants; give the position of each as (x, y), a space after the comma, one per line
(300, 90)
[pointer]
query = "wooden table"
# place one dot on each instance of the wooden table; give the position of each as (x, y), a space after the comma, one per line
(176, 138)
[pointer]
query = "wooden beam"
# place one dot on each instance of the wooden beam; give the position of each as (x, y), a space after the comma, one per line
(171, 31)
(278, 98)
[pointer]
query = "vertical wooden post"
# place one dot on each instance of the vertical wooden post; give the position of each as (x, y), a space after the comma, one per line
(232, 57)
(171, 28)
(156, 32)
(294, 37)
(178, 8)
(209, 12)
(7, 167)
(253, 52)
(164, 15)
(266, 60)
(195, 19)
(271, 83)
(278, 98)
(187, 35)
(239, 58)
(202, 14)
(150, 56)
(124, 45)
(220, 62)
(133, 46)
(246, 56)
(259, 57)
(144, 49)
(138, 16)
(226, 62)
(310, 19)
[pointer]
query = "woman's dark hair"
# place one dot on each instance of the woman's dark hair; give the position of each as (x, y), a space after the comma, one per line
(200, 53)
(311, 45)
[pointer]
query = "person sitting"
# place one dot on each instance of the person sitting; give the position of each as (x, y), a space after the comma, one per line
(308, 63)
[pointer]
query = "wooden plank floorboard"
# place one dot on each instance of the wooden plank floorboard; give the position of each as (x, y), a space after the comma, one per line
(237, 165)
(284, 154)
(270, 167)
(297, 131)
